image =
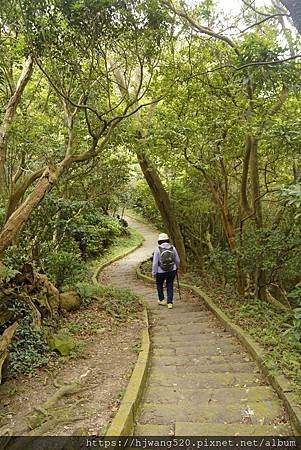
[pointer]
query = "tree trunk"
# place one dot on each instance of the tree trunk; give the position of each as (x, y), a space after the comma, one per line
(19, 191)
(47, 181)
(8, 117)
(163, 203)
(294, 7)
(245, 209)
(229, 230)
(255, 184)
(227, 221)
(17, 220)
(260, 275)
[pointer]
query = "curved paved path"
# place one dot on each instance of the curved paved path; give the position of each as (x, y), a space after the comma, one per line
(201, 381)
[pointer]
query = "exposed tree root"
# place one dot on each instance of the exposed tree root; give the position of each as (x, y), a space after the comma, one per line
(64, 390)
(47, 416)
(51, 424)
(5, 340)
(36, 315)
(25, 444)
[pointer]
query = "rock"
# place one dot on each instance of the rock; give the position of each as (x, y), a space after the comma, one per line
(63, 343)
(70, 301)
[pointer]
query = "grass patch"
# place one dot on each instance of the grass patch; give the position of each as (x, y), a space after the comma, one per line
(119, 303)
(121, 245)
(264, 322)
(146, 267)
(137, 216)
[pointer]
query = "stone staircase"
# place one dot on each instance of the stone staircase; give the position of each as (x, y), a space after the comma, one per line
(201, 381)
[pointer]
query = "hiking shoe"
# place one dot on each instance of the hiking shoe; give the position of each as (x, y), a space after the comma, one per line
(163, 302)
(170, 306)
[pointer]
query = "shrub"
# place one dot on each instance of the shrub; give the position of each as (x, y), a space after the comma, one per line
(119, 303)
(65, 268)
(88, 292)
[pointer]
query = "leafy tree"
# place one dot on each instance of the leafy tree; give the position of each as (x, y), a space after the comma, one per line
(78, 53)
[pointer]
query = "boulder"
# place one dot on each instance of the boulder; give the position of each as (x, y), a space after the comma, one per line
(63, 343)
(70, 301)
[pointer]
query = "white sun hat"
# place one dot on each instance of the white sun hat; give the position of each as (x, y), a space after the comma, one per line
(163, 237)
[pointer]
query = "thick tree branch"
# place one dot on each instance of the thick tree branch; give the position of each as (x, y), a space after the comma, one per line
(18, 193)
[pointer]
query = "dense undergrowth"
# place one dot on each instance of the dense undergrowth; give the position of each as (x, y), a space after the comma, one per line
(61, 236)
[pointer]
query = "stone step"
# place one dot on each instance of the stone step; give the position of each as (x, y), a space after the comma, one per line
(215, 429)
(152, 430)
(209, 349)
(193, 338)
(179, 318)
(191, 360)
(240, 429)
(205, 380)
(187, 308)
(208, 368)
(178, 394)
(254, 413)
(197, 343)
(196, 328)
(219, 368)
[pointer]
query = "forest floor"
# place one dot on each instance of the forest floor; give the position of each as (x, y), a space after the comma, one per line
(80, 393)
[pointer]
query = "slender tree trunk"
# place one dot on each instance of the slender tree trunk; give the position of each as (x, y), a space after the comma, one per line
(229, 230)
(151, 175)
(255, 185)
(8, 118)
(245, 209)
(163, 203)
(260, 275)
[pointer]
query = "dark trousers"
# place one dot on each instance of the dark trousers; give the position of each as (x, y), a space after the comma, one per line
(169, 277)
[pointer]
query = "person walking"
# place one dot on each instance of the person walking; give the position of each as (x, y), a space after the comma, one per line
(166, 262)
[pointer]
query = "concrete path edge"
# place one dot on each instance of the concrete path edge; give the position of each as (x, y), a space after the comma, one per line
(124, 420)
(116, 258)
(279, 382)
